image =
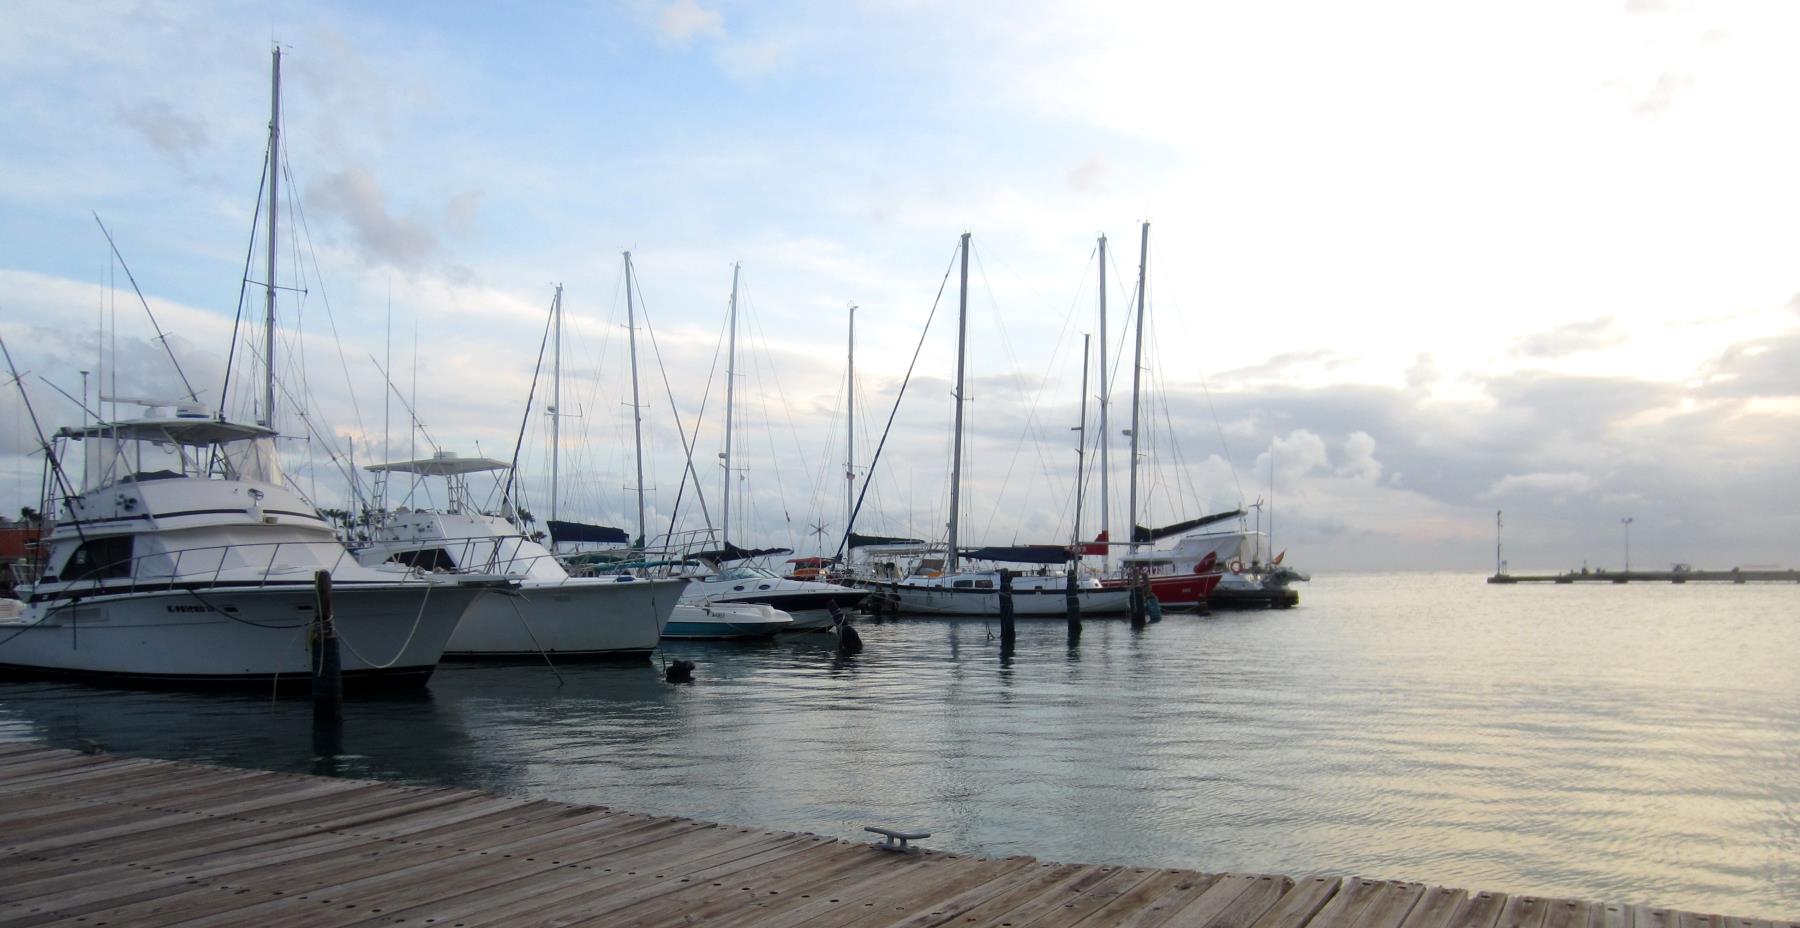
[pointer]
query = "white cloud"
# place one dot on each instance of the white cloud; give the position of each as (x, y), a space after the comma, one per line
(1557, 485)
(685, 20)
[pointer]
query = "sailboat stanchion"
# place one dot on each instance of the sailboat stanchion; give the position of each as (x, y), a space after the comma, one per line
(1074, 599)
(1008, 632)
(327, 663)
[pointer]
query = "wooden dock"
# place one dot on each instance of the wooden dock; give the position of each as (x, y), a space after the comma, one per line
(95, 841)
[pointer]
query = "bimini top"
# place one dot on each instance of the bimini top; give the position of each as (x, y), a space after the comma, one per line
(180, 430)
(442, 464)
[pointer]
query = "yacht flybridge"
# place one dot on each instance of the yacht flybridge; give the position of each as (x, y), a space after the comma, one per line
(554, 613)
(183, 558)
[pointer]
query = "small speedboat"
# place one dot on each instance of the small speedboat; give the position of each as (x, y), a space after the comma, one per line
(726, 620)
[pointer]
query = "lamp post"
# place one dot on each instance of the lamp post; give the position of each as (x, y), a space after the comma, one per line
(1627, 523)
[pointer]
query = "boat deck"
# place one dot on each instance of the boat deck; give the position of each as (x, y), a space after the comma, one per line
(95, 840)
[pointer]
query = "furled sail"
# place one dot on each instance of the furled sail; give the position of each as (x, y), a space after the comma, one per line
(1020, 554)
(1141, 534)
(577, 532)
(864, 541)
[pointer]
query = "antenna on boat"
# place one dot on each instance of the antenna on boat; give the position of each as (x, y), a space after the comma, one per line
(274, 207)
(160, 335)
(951, 561)
(1081, 443)
(637, 408)
(1137, 370)
(1105, 401)
(555, 395)
(730, 384)
(850, 423)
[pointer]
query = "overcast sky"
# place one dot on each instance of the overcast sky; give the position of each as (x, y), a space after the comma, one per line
(1437, 259)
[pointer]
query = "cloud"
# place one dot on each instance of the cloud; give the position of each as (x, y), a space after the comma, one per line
(1587, 335)
(1090, 177)
(356, 197)
(166, 130)
(1646, 6)
(685, 20)
(1662, 94)
(1559, 486)
(1359, 459)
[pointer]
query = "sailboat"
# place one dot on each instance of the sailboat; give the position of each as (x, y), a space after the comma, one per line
(810, 604)
(1177, 582)
(184, 557)
(953, 591)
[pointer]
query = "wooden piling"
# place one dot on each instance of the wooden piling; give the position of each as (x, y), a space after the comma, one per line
(327, 663)
(1008, 633)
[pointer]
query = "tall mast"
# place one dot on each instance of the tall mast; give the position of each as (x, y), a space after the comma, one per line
(952, 561)
(850, 425)
(555, 396)
(1105, 400)
(269, 275)
(637, 410)
(1081, 444)
(730, 385)
(1137, 373)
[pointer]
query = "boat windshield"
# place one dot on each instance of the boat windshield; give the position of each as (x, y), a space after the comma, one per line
(134, 453)
(745, 573)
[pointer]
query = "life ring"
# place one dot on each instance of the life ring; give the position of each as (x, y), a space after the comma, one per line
(1237, 567)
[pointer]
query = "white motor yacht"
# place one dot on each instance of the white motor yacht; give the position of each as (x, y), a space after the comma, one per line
(184, 559)
(552, 613)
(809, 602)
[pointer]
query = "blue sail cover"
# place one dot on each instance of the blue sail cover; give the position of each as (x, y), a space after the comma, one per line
(579, 532)
(1021, 554)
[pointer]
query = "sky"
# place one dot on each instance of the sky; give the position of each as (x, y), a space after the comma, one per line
(1410, 263)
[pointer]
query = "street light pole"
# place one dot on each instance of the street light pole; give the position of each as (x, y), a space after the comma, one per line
(1627, 523)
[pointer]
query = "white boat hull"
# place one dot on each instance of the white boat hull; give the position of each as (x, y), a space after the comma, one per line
(726, 620)
(392, 633)
(1027, 604)
(577, 617)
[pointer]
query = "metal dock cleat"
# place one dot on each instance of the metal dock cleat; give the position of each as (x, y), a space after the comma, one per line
(896, 840)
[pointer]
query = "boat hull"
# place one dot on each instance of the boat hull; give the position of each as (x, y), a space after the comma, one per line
(1179, 591)
(724, 620)
(390, 634)
(1027, 604)
(576, 618)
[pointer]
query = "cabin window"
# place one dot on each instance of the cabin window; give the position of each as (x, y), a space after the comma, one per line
(424, 559)
(100, 559)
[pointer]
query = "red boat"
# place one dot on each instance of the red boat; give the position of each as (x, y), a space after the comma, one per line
(1179, 590)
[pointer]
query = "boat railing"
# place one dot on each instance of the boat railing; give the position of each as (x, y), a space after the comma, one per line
(209, 566)
(483, 554)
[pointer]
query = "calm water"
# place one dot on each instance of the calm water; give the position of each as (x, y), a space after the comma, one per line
(1635, 743)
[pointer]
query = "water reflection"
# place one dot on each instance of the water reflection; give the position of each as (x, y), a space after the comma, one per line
(1617, 743)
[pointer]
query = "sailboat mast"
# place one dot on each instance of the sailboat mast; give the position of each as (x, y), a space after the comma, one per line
(637, 409)
(555, 396)
(1105, 400)
(1137, 373)
(1081, 445)
(730, 393)
(952, 562)
(269, 274)
(850, 424)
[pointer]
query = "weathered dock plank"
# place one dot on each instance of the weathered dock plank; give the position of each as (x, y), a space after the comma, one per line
(91, 840)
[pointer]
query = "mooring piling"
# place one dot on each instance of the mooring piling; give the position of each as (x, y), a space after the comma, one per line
(327, 663)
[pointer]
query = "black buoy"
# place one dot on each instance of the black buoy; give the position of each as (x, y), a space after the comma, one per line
(679, 672)
(849, 640)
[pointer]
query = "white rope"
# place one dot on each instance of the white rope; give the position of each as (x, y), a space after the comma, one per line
(417, 619)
